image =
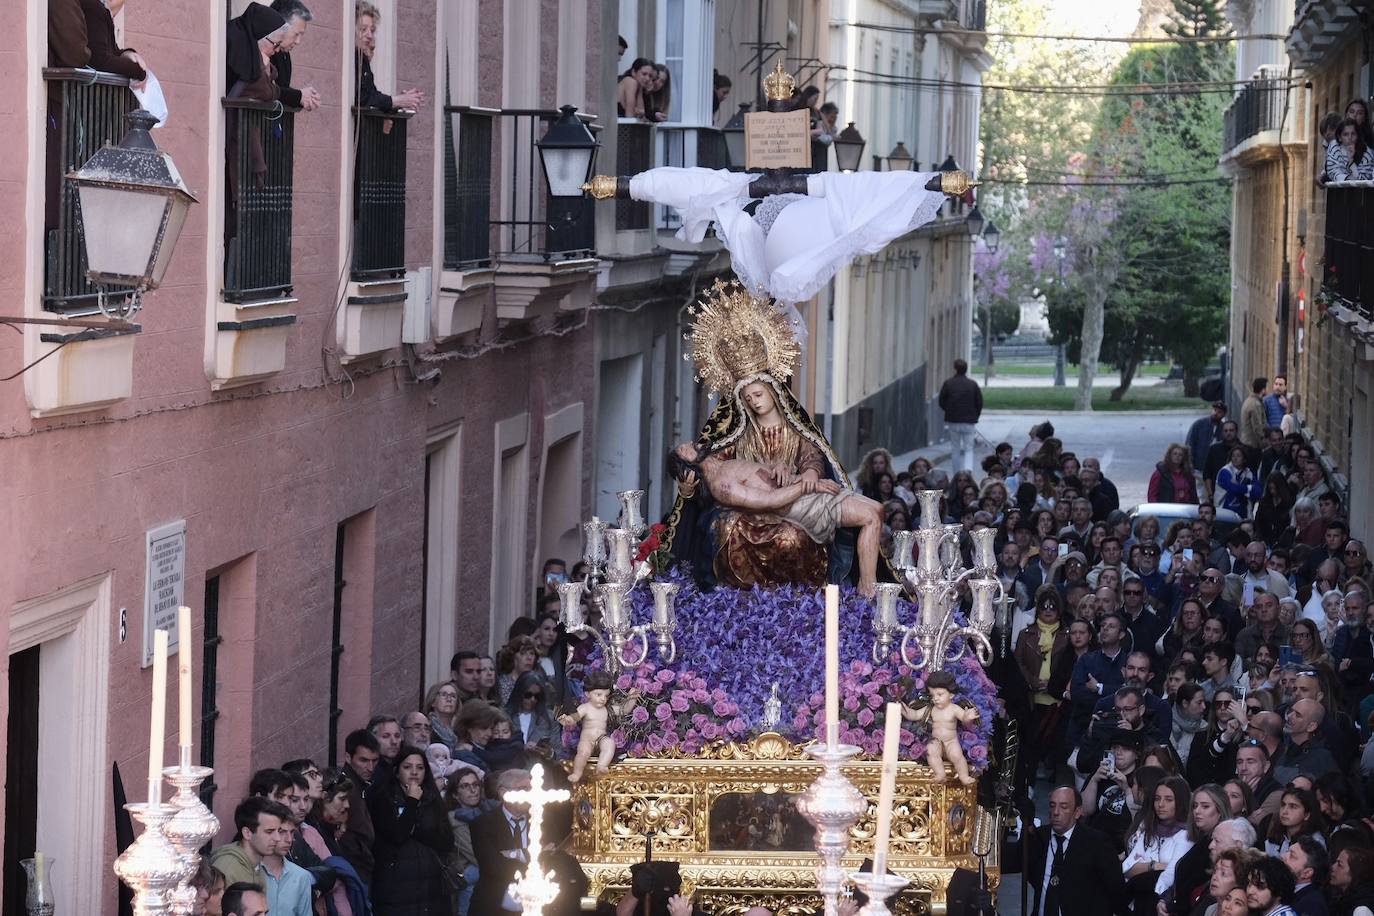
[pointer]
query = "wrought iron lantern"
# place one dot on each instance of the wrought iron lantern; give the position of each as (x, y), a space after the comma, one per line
(133, 205)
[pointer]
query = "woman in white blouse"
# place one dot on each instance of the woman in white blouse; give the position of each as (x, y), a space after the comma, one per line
(1349, 159)
(1158, 839)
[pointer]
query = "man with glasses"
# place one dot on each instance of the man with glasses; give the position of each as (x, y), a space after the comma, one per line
(1304, 751)
(416, 729)
(1156, 583)
(1357, 564)
(1265, 727)
(1144, 625)
(1125, 711)
(1210, 586)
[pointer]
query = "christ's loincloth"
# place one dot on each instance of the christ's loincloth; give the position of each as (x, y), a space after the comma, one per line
(818, 514)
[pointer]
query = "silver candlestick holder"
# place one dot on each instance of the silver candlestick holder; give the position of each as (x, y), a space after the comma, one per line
(152, 867)
(833, 806)
(191, 827)
(877, 887)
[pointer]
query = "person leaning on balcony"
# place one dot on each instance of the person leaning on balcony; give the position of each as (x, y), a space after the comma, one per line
(1330, 123)
(297, 17)
(1349, 158)
(634, 83)
(252, 39)
(365, 37)
(81, 33)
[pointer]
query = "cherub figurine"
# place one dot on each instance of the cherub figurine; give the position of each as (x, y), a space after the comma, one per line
(595, 716)
(944, 715)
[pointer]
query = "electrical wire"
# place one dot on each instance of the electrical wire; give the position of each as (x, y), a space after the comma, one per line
(1107, 183)
(1113, 39)
(1134, 90)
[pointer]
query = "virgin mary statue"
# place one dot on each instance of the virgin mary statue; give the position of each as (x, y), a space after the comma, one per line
(745, 350)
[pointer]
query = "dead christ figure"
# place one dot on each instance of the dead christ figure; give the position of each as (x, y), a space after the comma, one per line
(817, 507)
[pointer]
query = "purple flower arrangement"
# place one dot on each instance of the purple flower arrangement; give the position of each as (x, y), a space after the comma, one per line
(733, 644)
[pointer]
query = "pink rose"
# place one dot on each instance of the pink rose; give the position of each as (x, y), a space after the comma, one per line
(735, 726)
(719, 695)
(666, 676)
(799, 722)
(663, 712)
(699, 720)
(816, 699)
(869, 689)
(875, 701)
(819, 716)
(670, 739)
(865, 717)
(655, 744)
(711, 731)
(856, 666)
(623, 682)
(680, 703)
(905, 738)
(653, 688)
(640, 715)
(701, 695)
(721, 708)
(851, 703)
(618, 736)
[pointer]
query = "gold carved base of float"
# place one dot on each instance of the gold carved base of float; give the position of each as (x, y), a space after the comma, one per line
(728, 817)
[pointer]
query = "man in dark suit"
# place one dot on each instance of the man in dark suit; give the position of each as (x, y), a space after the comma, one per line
(500, 838)
(1072, 867)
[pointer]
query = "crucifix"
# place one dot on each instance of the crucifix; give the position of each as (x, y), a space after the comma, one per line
(533, 889)
(809, 224)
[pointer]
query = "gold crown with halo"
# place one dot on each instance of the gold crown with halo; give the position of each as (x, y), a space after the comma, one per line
(736, 334)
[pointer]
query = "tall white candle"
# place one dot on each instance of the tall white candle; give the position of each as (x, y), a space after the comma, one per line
(157, 729)
(832, 665)
(184, 675)
(887, 789)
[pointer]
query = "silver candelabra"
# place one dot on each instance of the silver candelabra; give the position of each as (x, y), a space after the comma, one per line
(612, 575)
(833, 806)
(932, 579)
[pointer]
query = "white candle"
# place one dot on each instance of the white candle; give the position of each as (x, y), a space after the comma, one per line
(887, 788)
(832, 665)
(184, 674)
(157, 730)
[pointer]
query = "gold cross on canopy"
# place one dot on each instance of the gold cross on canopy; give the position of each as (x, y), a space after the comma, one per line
(533, 889)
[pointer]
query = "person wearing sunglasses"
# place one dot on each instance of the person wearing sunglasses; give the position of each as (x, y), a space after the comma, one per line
(1357, 565)
(529, 712)
(1210, 586)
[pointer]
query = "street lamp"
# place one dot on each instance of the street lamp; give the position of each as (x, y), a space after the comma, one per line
(568, 151)
(975, 221)
(849, 148)
(133, 205)
(734, 136)
(1061, 250)
(992, 236)
(899, 160)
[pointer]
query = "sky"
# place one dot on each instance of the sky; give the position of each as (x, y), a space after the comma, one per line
(1092, 17)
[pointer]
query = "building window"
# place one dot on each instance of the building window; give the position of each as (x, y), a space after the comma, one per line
(336, 648)
(209, 668)
(685, 44)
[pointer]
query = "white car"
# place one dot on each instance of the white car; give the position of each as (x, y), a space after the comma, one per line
(1168, 513)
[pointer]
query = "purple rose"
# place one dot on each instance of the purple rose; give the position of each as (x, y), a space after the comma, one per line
(719, 695)
(710, 731)
(906, 738)
(653, 688)
(721, 708)
(618, 736)
(701, 695)
(655, 744)
(874, 701)
(640, 715)
(869, 689)
(819, 716)
(735, 726)
(666, 675)
(679, 702)
(699, 720)
(663, 712)
(799, 722)
(851, 704)
(816, 699)
(670, 739)
(865, 717)
(623, 682)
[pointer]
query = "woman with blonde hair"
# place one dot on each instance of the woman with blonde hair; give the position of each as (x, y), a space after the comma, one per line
(441, 705)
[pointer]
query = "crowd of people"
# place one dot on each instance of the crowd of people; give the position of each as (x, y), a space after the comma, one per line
(1193, 693)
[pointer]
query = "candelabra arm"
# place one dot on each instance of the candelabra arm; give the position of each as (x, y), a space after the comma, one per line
(904, 647)
(617, 652)
(982, 647)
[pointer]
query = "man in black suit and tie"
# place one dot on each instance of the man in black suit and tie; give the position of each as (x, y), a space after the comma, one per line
(1073, 867)
(500, 839)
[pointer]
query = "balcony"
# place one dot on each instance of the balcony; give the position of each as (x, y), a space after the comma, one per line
(255, 311)
(467, 279)
(379, 195)
(634, 154)
(86, 110)
(1320, 27)
(1349, 258)
(1255, 124)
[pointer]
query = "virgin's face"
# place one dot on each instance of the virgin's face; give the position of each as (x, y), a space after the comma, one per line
(759, 399)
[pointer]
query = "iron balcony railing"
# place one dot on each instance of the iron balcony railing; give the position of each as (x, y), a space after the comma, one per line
(532, 223)
(379, 194)
(1350, 245)
(467, 187)
(259, 159)
(86, 110)
(1257, 107)
(634, 154)
(978, 16)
